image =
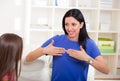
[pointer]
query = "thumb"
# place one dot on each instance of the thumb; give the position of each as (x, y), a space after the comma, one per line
(52, 42)
(81, 48)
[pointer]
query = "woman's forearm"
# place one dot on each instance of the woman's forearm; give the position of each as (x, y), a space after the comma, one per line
(100, 65)
(33, 55)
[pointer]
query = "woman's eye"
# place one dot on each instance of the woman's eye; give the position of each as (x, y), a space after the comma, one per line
(66, 24)
(73, 24)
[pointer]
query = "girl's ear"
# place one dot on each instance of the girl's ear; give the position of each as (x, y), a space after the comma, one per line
(81, 24)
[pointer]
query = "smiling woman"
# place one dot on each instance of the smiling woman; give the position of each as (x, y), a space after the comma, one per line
(72, 27)
(72, 51)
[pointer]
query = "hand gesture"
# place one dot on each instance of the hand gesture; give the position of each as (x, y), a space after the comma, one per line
(52, 50)
(78, 54)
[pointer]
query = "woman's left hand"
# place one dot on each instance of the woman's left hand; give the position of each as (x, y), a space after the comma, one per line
(98, 63)
(78, 54)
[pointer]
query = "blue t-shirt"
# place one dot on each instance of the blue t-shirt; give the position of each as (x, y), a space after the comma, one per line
(67, 68)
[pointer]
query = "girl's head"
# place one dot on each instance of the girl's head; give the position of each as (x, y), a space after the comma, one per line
(74, 26)
(11, 46)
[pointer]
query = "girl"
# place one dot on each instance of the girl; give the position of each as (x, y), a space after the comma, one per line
(11, 46)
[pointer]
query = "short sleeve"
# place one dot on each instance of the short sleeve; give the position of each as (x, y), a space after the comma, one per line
(49, 41)
(92, 49)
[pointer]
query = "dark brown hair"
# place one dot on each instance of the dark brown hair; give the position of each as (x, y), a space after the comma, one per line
(77, 14)
(11, 46)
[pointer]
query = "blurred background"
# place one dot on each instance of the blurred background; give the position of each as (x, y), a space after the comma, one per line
(37, 20)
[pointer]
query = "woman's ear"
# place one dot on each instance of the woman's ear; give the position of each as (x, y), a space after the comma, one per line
(81, 24)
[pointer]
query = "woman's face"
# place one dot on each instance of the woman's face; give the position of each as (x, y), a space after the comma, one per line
(72, 27)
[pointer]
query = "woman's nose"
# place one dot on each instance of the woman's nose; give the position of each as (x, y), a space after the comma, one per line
(70, 28)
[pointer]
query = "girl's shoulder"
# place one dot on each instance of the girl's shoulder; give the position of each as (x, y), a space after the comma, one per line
(7, 76)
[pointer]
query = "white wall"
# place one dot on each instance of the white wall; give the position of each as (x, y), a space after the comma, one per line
(12, 16)
(7, 12)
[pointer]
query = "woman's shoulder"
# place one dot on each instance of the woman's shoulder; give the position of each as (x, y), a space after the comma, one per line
(90, 41)
(59, 36)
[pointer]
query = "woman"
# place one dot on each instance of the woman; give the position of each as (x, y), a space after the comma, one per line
(11, 46)
(72, 52)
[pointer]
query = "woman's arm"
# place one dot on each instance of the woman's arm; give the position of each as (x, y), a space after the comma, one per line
(50, 49)
(35, 54)
(98, 63)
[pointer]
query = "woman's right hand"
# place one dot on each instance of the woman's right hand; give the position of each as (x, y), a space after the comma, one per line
(52, 50)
